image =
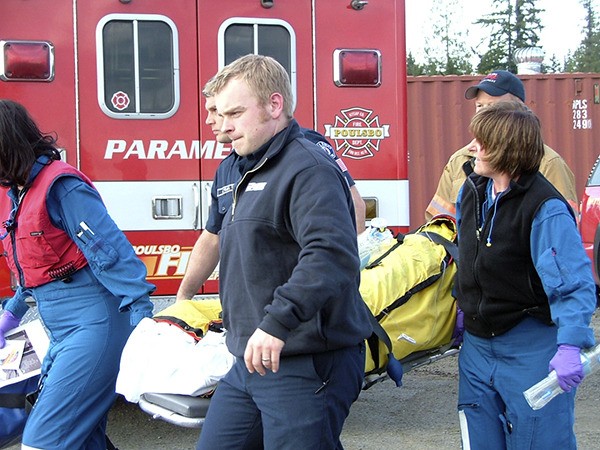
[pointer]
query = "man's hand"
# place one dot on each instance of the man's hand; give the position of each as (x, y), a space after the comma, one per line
(262, 352)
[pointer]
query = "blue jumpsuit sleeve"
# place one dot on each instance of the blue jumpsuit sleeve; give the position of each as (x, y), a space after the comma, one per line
(565, 271)
(110, 255)
(17, 304)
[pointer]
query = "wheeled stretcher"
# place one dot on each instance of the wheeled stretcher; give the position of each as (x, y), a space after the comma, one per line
(407, 285)
(189, 411)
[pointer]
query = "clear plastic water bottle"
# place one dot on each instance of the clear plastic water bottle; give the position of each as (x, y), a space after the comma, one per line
(541, 393)
(372, 239)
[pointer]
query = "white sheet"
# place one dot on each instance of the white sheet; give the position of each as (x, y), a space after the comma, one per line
(162, 358)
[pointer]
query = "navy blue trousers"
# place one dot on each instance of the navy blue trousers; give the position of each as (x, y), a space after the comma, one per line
(303, 405)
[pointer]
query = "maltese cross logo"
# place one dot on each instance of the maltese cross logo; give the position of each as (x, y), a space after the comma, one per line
(357, 133)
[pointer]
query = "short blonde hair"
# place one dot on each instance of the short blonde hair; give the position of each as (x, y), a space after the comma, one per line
(511, 135)
(208, 89)
(263, 74)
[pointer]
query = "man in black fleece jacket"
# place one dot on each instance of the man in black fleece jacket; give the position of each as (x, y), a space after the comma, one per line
(289, 277)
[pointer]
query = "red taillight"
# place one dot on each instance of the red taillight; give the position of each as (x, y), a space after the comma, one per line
(27, 61)
(357, 67)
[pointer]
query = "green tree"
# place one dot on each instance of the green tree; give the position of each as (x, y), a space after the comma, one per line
(451, 57)
(513, 24)
(554, 67)
(586, 57)
(527, 24)
(412, 67)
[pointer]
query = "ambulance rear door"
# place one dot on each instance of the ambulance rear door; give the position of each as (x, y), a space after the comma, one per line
(140, 125)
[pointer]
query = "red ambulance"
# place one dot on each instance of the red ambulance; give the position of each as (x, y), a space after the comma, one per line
(119, 82)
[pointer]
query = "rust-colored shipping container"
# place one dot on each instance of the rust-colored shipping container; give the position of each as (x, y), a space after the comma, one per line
(568, 106)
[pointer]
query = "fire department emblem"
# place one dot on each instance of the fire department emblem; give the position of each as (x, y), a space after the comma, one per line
(357, 133)
(120, 100)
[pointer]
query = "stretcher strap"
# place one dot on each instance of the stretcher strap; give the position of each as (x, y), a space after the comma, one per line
(399, 242)
(408, 294)
(393, 367)
(450, 246)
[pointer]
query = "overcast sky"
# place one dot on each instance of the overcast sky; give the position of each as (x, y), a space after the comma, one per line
(563, 21)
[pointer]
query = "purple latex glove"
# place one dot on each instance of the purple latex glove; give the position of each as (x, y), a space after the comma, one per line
(8, 321)
(459, 328)
(567, 364)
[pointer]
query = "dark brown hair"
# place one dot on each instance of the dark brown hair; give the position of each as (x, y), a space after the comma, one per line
(21, 143)
(511, 135)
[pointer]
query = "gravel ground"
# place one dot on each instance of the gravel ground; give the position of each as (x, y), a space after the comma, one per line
(421, 415)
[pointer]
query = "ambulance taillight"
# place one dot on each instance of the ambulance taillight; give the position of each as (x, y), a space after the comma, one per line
(26, 61)
(357, 67)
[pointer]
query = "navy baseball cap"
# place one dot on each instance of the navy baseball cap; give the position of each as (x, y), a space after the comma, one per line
(498, 83)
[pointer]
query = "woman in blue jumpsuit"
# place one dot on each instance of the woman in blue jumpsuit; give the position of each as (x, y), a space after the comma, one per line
(89, 304)
(525, 286)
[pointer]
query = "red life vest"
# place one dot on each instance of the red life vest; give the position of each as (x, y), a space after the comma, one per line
(38, 252)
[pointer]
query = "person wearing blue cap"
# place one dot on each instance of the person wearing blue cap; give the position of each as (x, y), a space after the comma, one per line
(497, 86)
